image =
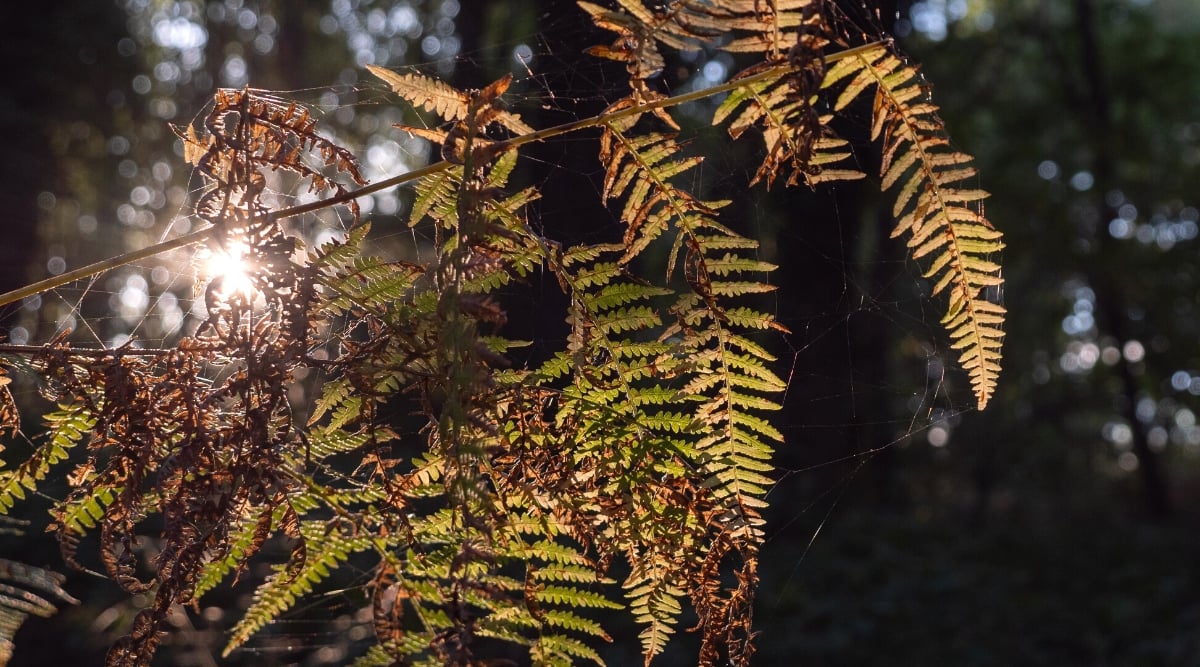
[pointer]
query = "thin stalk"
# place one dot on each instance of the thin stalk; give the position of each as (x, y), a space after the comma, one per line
(102, 266)
(410, 176)
(94, 353)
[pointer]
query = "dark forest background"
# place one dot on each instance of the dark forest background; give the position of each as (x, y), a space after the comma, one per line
(1058, 527)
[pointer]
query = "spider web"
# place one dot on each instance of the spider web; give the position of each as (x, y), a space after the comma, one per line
(847, 402)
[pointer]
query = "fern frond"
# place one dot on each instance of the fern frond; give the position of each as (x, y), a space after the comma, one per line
(326, 442)
(739, 26)
(773, 28)
(792, 132)
(67, 427)
(546, 551)
(439, 97)
(640, 167)
(249, 531)
(26, 591)
(80, 514)
(366, 280)
(574, 597)
(338, 399)
(654, 602)
(646, 410)
(327, 547)
(555, 650)
(643, 438)
(10, 416)
(944, 220)
(378, 655)
(242, 542)
(437, 198)
(782, 102)
(635, 45)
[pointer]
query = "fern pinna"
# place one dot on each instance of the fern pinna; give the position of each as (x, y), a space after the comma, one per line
(627, 468)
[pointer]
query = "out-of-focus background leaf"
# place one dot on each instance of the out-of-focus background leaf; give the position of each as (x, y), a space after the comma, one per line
(1057, 527)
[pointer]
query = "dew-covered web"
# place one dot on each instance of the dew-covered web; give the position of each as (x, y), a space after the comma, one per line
(841, 409)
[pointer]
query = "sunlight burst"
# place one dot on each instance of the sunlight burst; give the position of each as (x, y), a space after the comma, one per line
(231, 268)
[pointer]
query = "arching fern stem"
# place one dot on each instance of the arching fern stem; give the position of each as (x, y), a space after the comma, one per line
(205, 234)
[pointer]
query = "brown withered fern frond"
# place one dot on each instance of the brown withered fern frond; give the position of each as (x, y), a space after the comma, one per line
(737, 26)
(162, 436)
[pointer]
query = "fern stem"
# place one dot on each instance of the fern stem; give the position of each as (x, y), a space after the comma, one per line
(103, 265)
(95, 353)
(409, 176)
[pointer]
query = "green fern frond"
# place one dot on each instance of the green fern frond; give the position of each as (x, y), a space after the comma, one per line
(615, 295)
(577, 574)
(326, 442)
(654, 603)
(731, 374)
(594, 275)
(437, 198)
(944, 220)
(348, 280)
(67, 427)
(327, 547)
(575, 597)
(339, 399)
(558, 618)
(555, 650)
(80, 515)
(632, 318)
(251, 529)
(379, 655)
(242, 537)
(335, 253)
(367, 280)
(729, 263)
(549, 551)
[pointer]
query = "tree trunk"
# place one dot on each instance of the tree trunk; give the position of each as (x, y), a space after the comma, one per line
(1111, 303)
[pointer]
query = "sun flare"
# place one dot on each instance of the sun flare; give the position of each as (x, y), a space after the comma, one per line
(230, 267)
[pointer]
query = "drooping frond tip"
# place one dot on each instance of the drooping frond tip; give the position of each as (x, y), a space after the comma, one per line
(943, 217)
